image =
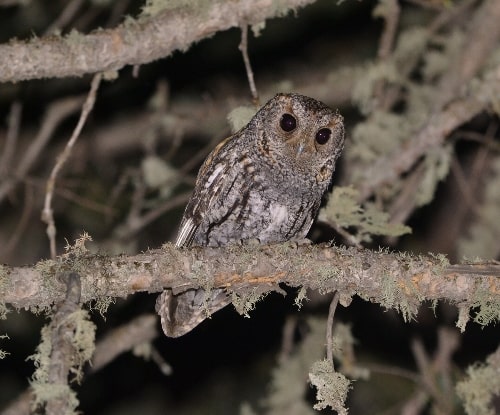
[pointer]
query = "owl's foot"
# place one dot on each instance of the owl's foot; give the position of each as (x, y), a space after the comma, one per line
(303, 241)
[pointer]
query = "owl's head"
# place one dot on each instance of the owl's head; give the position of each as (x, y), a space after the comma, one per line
(300, 133)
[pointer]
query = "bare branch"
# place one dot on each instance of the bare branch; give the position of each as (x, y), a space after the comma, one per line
(141, 329)
(13, 121)
(68, 13)
(23, 223)
(55, 114)
(329, 326)
(47, 215)
(248, 67)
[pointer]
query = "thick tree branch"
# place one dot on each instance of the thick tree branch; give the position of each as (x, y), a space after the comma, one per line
(391, 279)
(134, 42)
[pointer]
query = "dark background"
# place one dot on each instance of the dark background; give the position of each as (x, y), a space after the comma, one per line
(227, 360)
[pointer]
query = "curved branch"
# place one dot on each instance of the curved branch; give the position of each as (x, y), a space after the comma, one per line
(134, 42)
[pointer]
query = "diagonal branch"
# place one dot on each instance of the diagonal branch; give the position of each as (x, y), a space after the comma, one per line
(433, 134)
(134, 42)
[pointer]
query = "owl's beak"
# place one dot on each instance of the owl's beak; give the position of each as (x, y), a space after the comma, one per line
(300, 148)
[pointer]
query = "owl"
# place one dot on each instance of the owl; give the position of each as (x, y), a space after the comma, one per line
(265, 183)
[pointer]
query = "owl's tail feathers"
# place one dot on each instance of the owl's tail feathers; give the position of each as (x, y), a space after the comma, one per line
(183, 312)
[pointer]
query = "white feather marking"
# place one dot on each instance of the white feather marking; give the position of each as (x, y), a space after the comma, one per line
(279, 213)
(214, 175)
(188, 228)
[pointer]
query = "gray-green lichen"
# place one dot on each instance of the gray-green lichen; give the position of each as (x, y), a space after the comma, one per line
(82, 345)
(3, 353)
(244, 302)
(344, 210)
(487, 306)
(386, 129)
(480, 386)
(102, 304)
(300, 297)
(331, 387)
(4, 273)
(239, 117)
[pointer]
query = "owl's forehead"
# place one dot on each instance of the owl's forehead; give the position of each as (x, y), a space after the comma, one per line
(302, 105)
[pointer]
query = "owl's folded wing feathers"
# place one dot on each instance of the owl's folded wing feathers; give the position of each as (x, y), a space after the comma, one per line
(211, 187)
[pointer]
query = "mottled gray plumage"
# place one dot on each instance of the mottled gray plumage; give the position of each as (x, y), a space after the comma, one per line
(264, 183)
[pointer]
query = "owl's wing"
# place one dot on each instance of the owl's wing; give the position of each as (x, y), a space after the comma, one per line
(182, 313)
(213, 178)
(186, 232)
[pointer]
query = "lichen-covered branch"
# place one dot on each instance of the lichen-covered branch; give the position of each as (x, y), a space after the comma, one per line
(396, 280)
(481, 387)
(385, 170)
(154, 35)
(67, 343)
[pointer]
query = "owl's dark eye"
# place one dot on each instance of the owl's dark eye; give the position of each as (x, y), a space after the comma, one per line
(323, 135)
(288, 122)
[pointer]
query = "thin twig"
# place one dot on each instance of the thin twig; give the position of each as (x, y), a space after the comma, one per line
(393, 371)
(416, 404)
(10, 3)
(390, 14)
(13, 123)
(64, 18)
(478, 138)
(450, 14)
(405, 202)
(141, 329)
(329, 326)
(391, 19)
(465, 186)
(287, 336)
(47, 212)
(131, 228)
(349, 238)
(248, 67)
(162, 364)
(23, 221)
(119, 9)
(435, 372)
(55, 114)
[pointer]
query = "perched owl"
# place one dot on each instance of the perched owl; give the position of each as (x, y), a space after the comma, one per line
(264, 183)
